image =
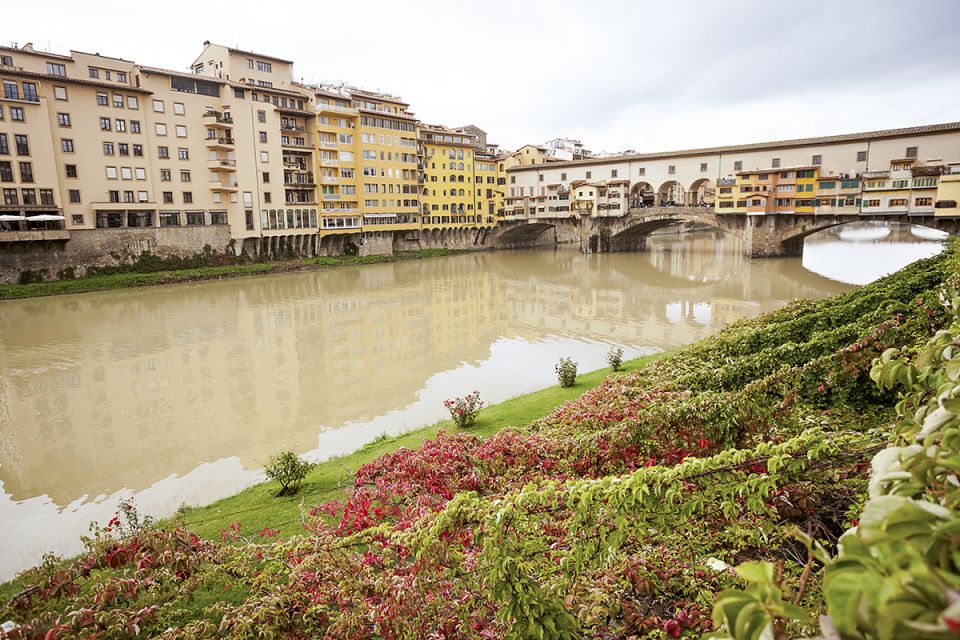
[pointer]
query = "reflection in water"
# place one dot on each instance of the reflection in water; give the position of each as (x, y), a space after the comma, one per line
(179, 394)
(862, 252)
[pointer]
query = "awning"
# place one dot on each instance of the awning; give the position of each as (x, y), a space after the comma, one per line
(11, 218)
(379, 215)
(45, 217)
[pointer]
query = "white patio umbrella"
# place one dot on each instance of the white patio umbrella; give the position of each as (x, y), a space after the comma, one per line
(44, 217)
(6, 217)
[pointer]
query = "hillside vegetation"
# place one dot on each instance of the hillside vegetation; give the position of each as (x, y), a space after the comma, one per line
(725, 489)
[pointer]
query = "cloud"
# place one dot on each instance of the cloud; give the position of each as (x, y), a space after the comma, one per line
(618, 74)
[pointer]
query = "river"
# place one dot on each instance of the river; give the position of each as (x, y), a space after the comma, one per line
(178, 395)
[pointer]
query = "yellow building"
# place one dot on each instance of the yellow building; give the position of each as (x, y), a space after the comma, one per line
(367, 165)
(805, 189)
(948, 192)
(455, 193)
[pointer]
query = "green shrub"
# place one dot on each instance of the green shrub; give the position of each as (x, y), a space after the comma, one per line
(615, 358)
(67, 273)
(29, 276)
(289, 470)
(566, 372)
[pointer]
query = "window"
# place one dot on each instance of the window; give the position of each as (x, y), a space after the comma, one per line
(218, 217)
(181, 131)
(134, 126)
(168, 197)
(121, 76)
(118, 101)
(158, 106)
(898, 202)
(67, 145)
(539, 177)
(911, 152)
(143, 196)
(120, 125)
(238, 93)
(589, 174)
(93, 73)
(817, 159)
(160, 128)
(11, 91)
(266, 177)
(106, 74)
(4, 145)
(738, 165)
(6, 172)
(267, 197)
(165, 175)
(861, 156)
(179, 109)
(74, 196)
(169, 218)
(924, 182)
(188, 197)
(60, 93)
(249, 63)
(77, 218)
(26, 172)
(264, 156)
(703, 167)
(141, 173)
(184, 175)
(23, 145)
(183, 154)
(613, 173)
(132, 102)
(70, 170)
(16, 114)
(775, 163)
(105, 124)
(923, 202)
(195, 217)
(263, 137)
(10, 197)
(563, 177)
(264, 66)
(108, 148)
(6, 61)
(163, 153)
(672, 169)
(63, 119)
(126, 173)
(111, 173)
(261, 116)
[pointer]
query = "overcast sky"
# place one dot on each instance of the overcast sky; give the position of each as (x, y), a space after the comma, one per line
(633, 74)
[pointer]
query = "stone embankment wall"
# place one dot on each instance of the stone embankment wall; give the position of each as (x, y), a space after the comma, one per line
(106, 247)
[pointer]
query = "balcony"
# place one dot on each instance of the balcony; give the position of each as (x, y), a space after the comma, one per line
(219, 185)
(222, 163)
(220, 142)
(331, 196)
(292, 126)
(328, 144)
(216, 119)
(335, 107)
(330, 179)
(869, 175)
(329, 162)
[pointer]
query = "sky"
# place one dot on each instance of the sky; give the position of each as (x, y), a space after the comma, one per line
(639, 75)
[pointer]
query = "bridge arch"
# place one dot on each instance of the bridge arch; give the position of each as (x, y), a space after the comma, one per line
(701, 193)
(522, 234)
(671, 194)
(642, 194)
(791, 241)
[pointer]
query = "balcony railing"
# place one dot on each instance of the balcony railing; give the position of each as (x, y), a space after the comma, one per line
(220, 140)
(218, 117)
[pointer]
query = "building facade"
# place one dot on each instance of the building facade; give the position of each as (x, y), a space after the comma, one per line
(102, 159)
(899, 171)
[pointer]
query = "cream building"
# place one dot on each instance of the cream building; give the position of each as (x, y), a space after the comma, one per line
(710, 176)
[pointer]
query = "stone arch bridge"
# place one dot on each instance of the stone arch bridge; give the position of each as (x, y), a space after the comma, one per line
(760, 235)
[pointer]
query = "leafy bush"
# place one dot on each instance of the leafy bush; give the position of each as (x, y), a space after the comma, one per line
(29, 276)
(566, 372)
(464, 411)
(615, 358)
(67, 273)
(289, 470)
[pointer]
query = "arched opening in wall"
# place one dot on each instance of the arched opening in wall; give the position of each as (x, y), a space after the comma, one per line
(701, 193)
(862, 251)
(642, 194)
(671, 194)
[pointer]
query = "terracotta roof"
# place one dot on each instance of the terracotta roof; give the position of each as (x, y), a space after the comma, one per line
(30, 52)
(777, 144)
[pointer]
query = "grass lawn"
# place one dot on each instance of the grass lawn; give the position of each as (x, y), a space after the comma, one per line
(140, 279)
(258, 507)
